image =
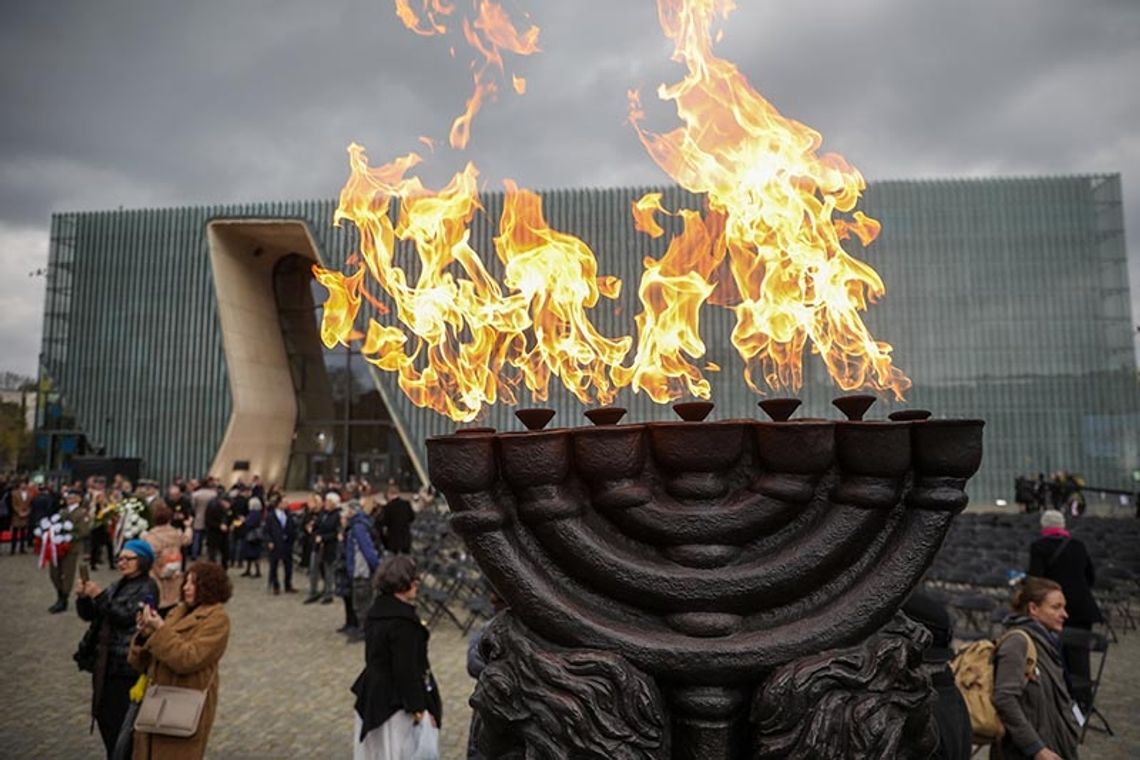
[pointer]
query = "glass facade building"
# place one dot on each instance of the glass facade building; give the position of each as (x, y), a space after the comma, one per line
(1007, 299)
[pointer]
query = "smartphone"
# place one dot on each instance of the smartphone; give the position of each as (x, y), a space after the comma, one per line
(84, 572)
(147, 601)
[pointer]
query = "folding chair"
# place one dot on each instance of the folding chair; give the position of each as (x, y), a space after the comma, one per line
(1095, 643)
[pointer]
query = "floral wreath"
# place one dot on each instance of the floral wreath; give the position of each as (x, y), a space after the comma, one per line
(131, 522)
(53, 539)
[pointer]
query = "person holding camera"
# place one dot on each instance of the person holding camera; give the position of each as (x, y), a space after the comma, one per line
(185, 650)
(113, 614)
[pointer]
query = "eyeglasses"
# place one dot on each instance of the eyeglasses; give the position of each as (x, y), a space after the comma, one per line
(127, 558)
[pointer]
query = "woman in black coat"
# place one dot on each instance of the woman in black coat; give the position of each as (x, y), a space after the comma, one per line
(113, 614)
(1064, 559)
(396, 688)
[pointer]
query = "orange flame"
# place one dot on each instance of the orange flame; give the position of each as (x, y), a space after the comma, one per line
(473, 343)
(767, 245)
(672, 291)
(426, 21)
(778, 197)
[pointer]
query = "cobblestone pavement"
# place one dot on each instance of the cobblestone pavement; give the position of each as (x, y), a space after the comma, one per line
(285, 679)
(284, 683)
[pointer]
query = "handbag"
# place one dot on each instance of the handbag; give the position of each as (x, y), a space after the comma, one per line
(423, 741)
(172, 710)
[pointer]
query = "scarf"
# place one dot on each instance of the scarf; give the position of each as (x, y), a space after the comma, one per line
(1054, 533)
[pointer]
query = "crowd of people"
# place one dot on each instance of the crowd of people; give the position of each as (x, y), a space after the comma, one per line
(1063, 492)
(162, 622)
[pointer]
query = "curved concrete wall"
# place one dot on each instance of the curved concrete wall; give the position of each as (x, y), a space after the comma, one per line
(243, 254)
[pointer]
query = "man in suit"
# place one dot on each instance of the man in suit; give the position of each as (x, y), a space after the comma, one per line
(280, 533)
(395, 522)
(1058, 556)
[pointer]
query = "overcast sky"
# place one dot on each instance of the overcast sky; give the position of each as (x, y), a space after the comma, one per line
(109, 103)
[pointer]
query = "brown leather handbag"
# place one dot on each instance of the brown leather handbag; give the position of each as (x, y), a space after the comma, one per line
(172, 710)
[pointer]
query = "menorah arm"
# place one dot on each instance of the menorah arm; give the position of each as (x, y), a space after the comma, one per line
(668, 520)
(594, 558)
(564, 613)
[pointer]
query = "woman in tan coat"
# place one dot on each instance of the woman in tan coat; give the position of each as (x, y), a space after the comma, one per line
(168, 543)
(185, 650)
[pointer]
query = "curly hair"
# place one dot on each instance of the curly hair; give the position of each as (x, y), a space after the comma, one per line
(211, 584)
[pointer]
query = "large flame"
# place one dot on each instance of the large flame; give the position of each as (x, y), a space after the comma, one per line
(474, 340)
(778, 197)
(768, 245)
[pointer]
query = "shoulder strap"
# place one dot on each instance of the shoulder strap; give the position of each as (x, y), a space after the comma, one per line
(1030, 649)
(1057, 552)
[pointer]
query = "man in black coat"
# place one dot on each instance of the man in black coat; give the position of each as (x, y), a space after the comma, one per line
(1062, 558)
(326, 526)
(218, 520)
(395, 522)
(280, 533)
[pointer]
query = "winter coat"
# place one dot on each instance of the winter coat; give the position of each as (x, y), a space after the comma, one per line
(1037, 712)
(396, 519)
(1073, 569)
(254, 535)
(21, 503)
(217, 518)
(326, 527)
(358, 539)
(185, 652)
(112, 615)
(396, 673)
(199, 500)
(166, 539)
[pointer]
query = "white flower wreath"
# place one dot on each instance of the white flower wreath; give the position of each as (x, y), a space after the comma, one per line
(55, 534)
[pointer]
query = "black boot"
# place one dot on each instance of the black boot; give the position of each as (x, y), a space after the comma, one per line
(59, 606)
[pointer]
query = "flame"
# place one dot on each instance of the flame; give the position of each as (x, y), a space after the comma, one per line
(778, 198)
(672, 291)
(426, 22)
(474, 340)
(767, 244)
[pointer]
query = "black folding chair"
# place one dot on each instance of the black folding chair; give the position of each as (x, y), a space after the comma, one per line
(1095, 643)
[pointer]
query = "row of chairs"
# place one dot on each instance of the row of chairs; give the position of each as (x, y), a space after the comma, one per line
(451, 585)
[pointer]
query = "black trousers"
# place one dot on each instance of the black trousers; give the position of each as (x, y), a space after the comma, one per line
(100, 539)
(21, 537)
(218, 548)
(285, 558)
(1077, 662)
(113, 709)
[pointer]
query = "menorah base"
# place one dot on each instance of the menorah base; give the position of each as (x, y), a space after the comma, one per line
(536, 699)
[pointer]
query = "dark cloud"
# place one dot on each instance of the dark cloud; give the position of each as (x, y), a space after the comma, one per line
(135, 104)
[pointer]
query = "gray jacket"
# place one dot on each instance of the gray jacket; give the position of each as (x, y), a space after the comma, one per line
(1037, 713)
